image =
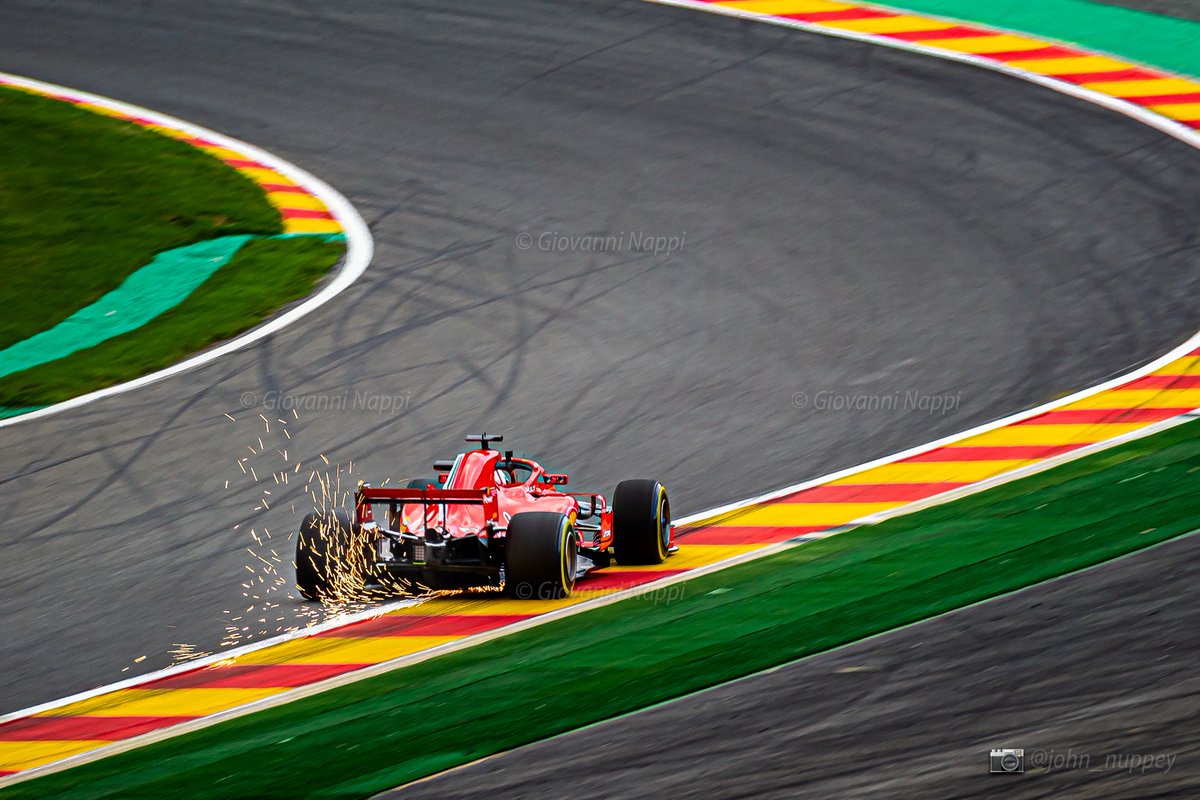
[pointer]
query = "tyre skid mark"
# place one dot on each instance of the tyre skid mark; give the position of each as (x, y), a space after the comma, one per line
(1160, 394)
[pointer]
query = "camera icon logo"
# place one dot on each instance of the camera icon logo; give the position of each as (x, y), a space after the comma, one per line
(1007, 760)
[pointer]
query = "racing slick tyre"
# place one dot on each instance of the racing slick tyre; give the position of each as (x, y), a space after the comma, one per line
(331, 561)
(641, 522)
(540, 551)
(421, 483)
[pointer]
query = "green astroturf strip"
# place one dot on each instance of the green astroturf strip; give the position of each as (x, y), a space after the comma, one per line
(157, 287)
(262, 276)
(85, 200)
(95, 211)
(1166, 42)
(390, 729)
(7, 411)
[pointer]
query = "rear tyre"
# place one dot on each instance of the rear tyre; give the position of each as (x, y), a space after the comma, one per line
(421, 483)
(331, 561)
(540, 551)
(641, 522)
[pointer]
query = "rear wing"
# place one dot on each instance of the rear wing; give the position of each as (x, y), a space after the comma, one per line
(429, 496)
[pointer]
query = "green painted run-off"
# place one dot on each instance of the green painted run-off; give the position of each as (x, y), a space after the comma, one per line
(359, 739)
(152, 290)
(616, 659)
(1167, 42)
(169, 279)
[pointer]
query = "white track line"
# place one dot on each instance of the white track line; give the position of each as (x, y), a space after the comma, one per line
(292, 695)
(387, 793)
(359, 246)
(1144, 115)
(1178, 352)
(1178, 131)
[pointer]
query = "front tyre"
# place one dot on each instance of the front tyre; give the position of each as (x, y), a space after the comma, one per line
(641, 522)
(331, 559)
(540, 550)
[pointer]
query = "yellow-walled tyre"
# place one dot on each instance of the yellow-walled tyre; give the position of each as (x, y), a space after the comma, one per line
(540, 550)
(641, 522)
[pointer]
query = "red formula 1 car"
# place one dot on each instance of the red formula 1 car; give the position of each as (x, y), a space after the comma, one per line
(489, 519)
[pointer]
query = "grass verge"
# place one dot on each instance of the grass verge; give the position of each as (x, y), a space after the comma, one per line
(384, 731)
(86, 199)
(264, 275)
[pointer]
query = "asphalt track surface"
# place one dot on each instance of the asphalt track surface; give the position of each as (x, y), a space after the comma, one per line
(857, 221)
(1184, 9)
(1092, 665)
